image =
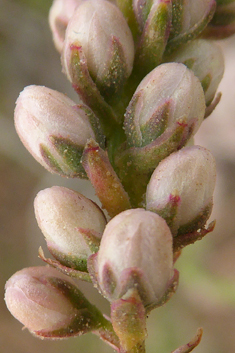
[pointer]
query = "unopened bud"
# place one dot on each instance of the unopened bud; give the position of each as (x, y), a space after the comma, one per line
(71, 223)
(49, 304)
(206, 60)
(181, 189)
(60, 13)
(168, 96)
(135, 253)
(99, 28)
(189, 18)
(223, 23)
(54, 129)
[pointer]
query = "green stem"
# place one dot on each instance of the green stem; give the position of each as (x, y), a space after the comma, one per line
(139, 348)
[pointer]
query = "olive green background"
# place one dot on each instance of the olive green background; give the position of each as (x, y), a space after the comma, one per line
(206, 294)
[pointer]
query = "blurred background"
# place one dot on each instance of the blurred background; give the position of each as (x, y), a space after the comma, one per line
(206, 294)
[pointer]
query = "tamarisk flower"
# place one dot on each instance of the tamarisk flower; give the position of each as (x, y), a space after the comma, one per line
(49, 303)
(54, 129)
(181, 189)
(71, 223)
(99, 36)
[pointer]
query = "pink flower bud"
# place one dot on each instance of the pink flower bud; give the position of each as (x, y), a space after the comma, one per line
(135, 252)
(54, 129)
(48, 303)
(100, 29)
(71, 224)
(206, 60)
(181, 189)
(168, 96)
(60, 13)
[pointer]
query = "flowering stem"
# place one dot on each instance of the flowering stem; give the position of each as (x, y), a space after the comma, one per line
(139, 348)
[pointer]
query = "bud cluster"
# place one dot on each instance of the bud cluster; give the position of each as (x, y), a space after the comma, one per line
(145, 83)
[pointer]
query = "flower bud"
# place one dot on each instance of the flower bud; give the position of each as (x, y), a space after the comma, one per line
(54, 129)
(168, 96)
(71, 224)
(181, 189)
(60, 13)
(99, 28)
(223, 23)
(49, 304)
(135, 253)
(189, 18)
(206, 60)
(154, 36)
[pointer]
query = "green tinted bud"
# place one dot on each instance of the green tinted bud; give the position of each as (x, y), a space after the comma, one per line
(167, 96)
(206, 60)
(135, 253)
(100, 30)
(223, 22)
(181, 189)
(54, 129)
(189, 18)
(49, 304)
(71, 223)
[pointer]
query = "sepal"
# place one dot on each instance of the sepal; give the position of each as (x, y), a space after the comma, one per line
(145, 159)
(111, 81)
(141, 9)
(154, 37)
(183, 240)
(71, 272)
(189, 347)
(74, 65)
